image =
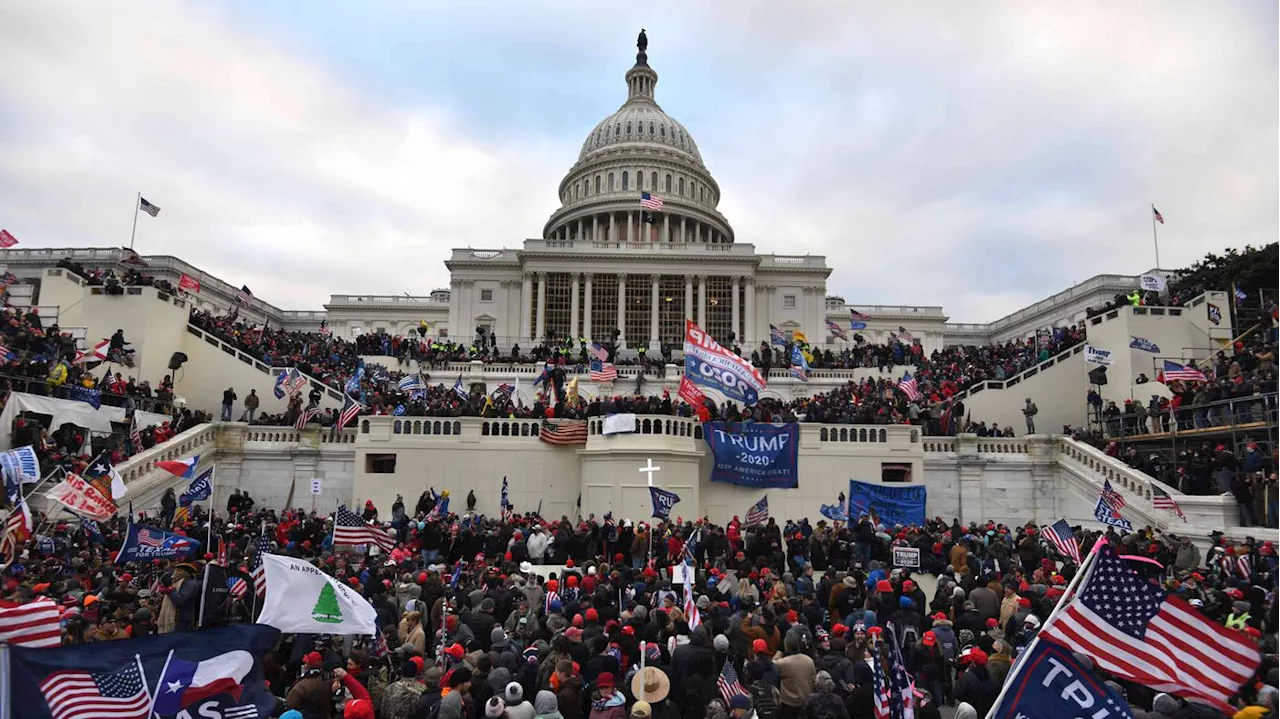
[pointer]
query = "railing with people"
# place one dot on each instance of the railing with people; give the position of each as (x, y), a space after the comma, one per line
(1026, 374)
(45, 388)
(233, 351)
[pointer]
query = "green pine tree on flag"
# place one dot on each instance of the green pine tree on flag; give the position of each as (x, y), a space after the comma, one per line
(326, 609)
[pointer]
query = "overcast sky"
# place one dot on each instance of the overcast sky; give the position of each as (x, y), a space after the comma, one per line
(978, 156)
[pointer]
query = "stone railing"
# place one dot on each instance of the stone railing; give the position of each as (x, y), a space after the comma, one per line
(237, 353)
(654, 424)
(1025, 374)
(197, 440)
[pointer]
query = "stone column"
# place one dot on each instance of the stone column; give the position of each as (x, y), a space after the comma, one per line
(653, 310)
(749, 326)
(586, 309)
(737, 310)
(631, 234)
(595, 228)
(613, 228)
(540, 330)
(579, 229)
(622, 308)
(684, 234)
(666, 227)
(573, 305)
(688, 297)
(702, 301)
(526, 308)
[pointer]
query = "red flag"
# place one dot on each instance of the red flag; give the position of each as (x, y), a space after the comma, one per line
(189, 283)
(7, 239)
(689, 392)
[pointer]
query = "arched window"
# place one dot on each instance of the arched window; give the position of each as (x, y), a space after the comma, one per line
(653, 180)
(597, 184)
(682, 187)
(628, 128)
(586, 187)
(612, 186)
(702, 194)
(624, 181)
(662, 131)
(667, 187)
(651, 128)
(640, 180)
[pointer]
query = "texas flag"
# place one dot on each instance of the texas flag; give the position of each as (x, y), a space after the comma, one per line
(187, 683)
(180, 467)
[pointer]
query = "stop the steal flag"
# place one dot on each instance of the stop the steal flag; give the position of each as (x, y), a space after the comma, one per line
(302, 599)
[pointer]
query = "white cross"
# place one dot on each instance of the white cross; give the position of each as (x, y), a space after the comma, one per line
(650, 467)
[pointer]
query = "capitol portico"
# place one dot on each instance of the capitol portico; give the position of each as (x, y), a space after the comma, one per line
(611, 260)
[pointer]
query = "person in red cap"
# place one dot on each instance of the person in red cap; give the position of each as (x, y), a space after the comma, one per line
(761, 662)
(928, 665)
(606, 701)
(312, 695)
(975, 685)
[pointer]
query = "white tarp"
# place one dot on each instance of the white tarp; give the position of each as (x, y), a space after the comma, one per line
(65, 410)
(1095, 355)
(619, 423)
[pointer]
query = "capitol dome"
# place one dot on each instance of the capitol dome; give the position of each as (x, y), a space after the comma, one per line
(639, 177)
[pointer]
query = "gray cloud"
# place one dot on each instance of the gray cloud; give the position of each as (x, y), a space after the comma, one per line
(978, 159)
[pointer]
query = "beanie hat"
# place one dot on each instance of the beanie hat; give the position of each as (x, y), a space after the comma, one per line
(884, 586)
(721, 643)
(495, 707)
(545, 702)
(358, 709)
(760, 646)
(514, 693)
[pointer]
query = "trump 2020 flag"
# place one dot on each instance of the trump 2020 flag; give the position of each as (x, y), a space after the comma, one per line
(1051, 684)
(663, 501)
(302, 599)
(168, 675)
(144, 544)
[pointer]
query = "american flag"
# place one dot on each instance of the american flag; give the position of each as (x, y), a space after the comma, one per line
(149, 539)
(78, 694)
(598, 351)
(837, 330)
(551, 597)
(34, 624)
(135, 435)
(728, 683)
(258, 571)
(1156, 214)
(603, 371)
(17, 528)
(237, 588)
(1187, 373)
(1131, 629)
(297, 381)
(349, 528)
(881, 698)
(504, 390)
(902, 689)
(564, 432)
(244, 296)
(350, 410)
(759, 512)
(1244, 564)
(1063, 539)
(650, 202)
(858, 316)
(909, 386)
(411, 383)
(1161, 500)
(306, 416)
(1112, 497)
(691, 614)
(147, 207)
(904, 334)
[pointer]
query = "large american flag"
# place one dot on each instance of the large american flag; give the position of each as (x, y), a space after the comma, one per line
(908, 385)
(859, 316)
(1161, 500)
(691, 614)
(17, 528)
(34, 624)
(598, 351)
(147, 207)
(902, 689)
(350, 410)
(349, 528)
(1063, 539)
(1112, 497)
(564, 432)
(258, 571)
(881, 698)
(759, 512)
(650, 202)
(83, 695)
(1174, 371)
(603, 371)
(728, 683)
(1131, 629)
(306, 416)
(244, 296)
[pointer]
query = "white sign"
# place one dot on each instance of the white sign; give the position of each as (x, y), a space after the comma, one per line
(619, 423)
(1153, 283)
(1094, 355)
(906, 557)
(316, 486)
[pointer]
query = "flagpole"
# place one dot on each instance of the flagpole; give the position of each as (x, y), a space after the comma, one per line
(153, 698)
(1057, 608)
(136, 202)
(1155, 238)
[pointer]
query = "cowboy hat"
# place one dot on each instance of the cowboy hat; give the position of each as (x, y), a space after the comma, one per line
(652, 686)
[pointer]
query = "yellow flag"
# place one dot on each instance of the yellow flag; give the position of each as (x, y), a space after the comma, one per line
(573, 389)
(799, 336)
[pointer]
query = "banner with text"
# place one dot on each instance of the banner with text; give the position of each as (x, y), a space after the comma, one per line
(754, 455)
(708, 364)
(1098, 356)
(893, 504)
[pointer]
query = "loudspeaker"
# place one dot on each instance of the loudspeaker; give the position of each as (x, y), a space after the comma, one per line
(1098, 376)
(176, 360)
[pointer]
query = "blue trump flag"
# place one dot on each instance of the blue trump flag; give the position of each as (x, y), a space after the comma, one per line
(91, 397)
(1050, 684)
(754, 454)
(663, 501)
(201, 488)
(215, 673)
(1144, 344)
(278, 389)
(143, 544)
(893, 504)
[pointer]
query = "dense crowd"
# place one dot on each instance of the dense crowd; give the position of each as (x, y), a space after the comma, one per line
(799, 611)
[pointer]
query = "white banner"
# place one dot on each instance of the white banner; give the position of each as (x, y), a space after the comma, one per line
(1153, 283)
(619, 423)
(317, 486)
(301, 598)
(1094, 355)
(74, 493)
(906, 557)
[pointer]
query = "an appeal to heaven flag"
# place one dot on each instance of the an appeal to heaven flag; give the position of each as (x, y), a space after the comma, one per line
(302, 599)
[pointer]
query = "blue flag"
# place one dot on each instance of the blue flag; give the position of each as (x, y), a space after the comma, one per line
(457, 574)
(1051, 684)
(775, 336)
(92, 530)
(663, 501)
(1141, 343)
(19, 466)
(398, 411)
(278, 390)
(835, 512)
(143, 544)
(91, 397)
(353, 384)
(506, 497)
(460, 390)
(200, 490)
(1107, 513)
(218, 675)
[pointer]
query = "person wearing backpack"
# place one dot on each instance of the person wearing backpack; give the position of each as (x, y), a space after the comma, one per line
(765, 698)
(949, 646)
(927, 665)
(1029, 411)
(906, 622)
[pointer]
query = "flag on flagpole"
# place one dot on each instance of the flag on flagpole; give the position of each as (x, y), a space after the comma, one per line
(256, 570)
(7, 240)
(776, 337)
(188, 283)
(302, 599)
(185, 468)
(306, 416)
(729, 684)
(691, 614)
(759, 512)
(350, 410)
(349, 528)
(1160, 499)
(837, 330)
(147, 207)
(1114, 498)
(909, 387)
(244, 296)
(1063, 539)
(1186, 373)
(1156, 215)
(650, 202)
(460, 390)
(857, 316)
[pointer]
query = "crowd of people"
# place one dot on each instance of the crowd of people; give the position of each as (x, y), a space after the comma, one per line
(551, 618)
